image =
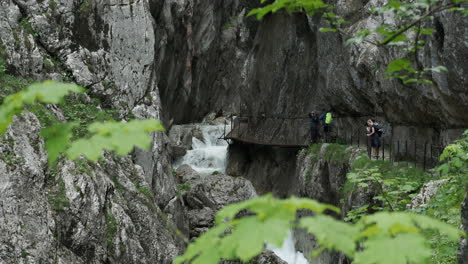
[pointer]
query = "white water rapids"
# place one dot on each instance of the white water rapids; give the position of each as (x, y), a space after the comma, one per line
(208, 156)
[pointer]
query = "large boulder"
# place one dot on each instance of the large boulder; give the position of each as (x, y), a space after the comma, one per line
(426, 193)
(204, 195)
(181, 137)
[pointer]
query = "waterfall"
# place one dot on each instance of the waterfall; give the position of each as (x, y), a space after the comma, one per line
(208, 156)
(288, 252)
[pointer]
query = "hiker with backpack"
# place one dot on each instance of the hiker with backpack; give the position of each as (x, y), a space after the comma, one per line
(326, 117)
(314, 127)
(374, 137)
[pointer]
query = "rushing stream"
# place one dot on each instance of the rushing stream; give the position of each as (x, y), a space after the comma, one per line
(208, 156)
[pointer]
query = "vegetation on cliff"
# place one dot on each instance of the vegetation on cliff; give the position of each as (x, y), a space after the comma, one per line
(386, 232)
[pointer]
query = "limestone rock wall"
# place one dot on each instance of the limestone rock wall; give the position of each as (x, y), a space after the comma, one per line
(77, 212)
(283, 67)
(110, 212)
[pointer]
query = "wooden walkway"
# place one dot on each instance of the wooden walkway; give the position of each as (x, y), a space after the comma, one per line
(423, 154)
(253, 141)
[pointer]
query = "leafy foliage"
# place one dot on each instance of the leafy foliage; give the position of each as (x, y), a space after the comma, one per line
(47, 92)
(445, 205)
(84, 111)
(120, 137)
(269, 221)
(391, 194)
(394, 185)
(58, 139)
(310, 6)
(243, 229)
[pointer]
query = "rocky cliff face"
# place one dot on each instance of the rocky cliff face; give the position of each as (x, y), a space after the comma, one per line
(78, 212)
(283, 67)
(84, 213)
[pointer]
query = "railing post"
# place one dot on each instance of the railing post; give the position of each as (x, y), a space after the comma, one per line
(383, 149)
(431, 154)
(415, 154)
(224, 133)
(391, 150)
(369, 148)
(424, 161)
(406, 152)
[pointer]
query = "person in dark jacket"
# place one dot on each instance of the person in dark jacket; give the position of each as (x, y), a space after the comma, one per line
(326, 117)
(314, 126)
(374, 138)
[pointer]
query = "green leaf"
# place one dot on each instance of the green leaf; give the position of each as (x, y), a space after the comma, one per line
(426, 31)
(425, 222)
(393, 223)
(327, 30)
(46, 92)
(383, 30)
(207, 243)
(401, 249)
(51, 92)
(332, 234)
(397, 39)
(120, 137)
(398, 65)
(437, 69)
(57, 140)
(249, 248)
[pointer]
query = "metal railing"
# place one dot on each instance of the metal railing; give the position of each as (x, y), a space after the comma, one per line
(422, 154)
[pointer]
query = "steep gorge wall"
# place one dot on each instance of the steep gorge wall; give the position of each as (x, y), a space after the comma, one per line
(283, 67)
(110, 212)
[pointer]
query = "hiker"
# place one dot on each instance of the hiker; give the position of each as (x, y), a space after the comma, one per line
(327, 119)
(314, 126)
(373, 138)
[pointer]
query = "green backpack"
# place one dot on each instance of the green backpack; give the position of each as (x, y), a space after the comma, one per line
(328, 118)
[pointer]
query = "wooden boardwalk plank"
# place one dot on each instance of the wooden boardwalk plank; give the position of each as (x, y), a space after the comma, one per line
(252, 141)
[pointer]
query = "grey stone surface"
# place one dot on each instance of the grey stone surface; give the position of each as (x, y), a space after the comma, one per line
(322, 179)
(204, 195)
(283, 66)
(426, 193)
(269, 169)
(215, 191)
(181, 135)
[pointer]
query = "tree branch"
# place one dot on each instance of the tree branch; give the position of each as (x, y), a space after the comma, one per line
(403, 30)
